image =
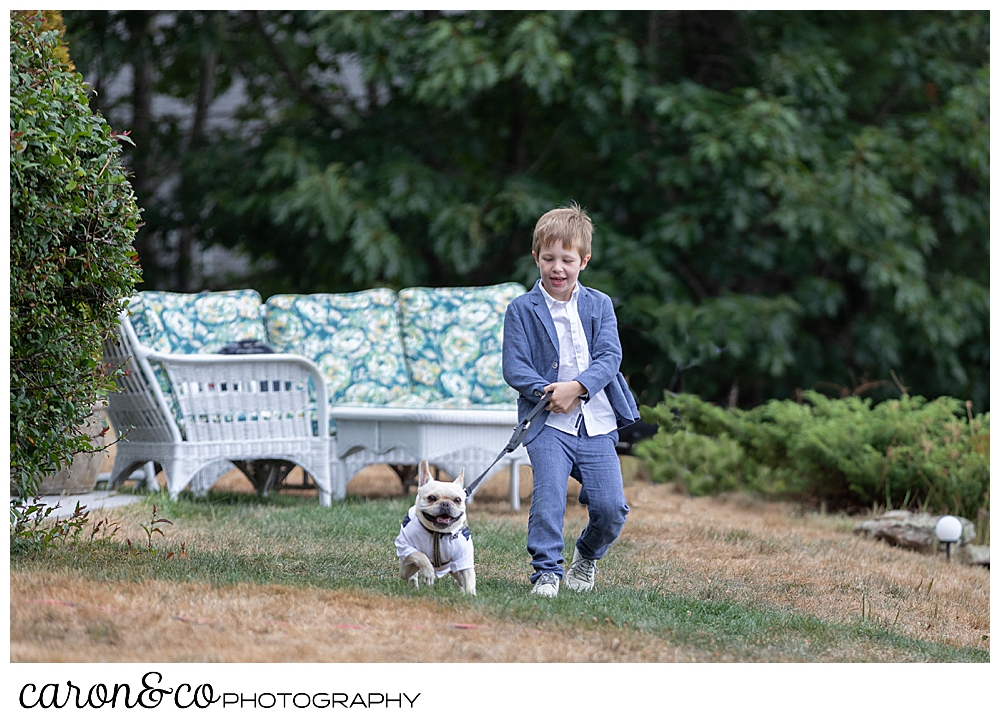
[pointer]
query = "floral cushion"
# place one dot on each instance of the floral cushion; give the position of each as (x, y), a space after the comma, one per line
(202, 323)
(353, 339)
(196, 323)
(452, 338)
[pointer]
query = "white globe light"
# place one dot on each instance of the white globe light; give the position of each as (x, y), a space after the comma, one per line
(948, 529)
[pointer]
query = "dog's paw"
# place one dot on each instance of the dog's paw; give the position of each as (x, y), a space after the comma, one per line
(416, 568)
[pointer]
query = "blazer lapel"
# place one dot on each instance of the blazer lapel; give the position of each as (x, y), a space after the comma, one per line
(542, 312)
(584, 307)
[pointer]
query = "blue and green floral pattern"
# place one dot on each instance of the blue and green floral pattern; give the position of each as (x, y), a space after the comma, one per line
(452, 338)
(426, 348)
(196, 323)
(174, 323)
(353, 338)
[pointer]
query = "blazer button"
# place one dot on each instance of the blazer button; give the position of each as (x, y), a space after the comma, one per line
(538, 393)
(555, 365)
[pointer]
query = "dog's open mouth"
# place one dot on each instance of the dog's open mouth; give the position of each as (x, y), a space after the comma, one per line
(441, 521)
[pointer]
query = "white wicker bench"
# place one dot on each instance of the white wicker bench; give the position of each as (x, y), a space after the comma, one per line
(419, 392)
(224, 409)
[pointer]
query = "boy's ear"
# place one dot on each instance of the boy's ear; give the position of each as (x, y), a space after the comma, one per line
(585, 260)
(534, 255)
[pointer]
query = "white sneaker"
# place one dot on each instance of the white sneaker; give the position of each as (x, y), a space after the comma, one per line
(547, 585)
(581, 573)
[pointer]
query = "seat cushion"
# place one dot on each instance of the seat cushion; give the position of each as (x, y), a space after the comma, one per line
(453, 338)
(353, 338)
(196, 323)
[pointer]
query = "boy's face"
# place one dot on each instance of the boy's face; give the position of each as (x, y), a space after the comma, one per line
(560, 266)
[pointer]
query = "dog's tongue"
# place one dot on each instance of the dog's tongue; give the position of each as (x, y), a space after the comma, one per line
(442, 520)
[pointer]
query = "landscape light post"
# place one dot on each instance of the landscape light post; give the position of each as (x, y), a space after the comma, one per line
(948, 531)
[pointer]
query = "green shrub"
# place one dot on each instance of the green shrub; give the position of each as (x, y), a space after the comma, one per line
(907, 452)
(72, 220)
(700, 464)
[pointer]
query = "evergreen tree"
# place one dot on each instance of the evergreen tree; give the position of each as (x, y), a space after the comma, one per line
(782, 200)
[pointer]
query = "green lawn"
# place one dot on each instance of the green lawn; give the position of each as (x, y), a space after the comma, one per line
(287, 540)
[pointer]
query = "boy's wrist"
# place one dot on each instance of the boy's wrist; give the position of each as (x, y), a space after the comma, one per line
(579, 391)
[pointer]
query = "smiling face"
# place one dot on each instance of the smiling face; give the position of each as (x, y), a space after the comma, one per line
(560, 266)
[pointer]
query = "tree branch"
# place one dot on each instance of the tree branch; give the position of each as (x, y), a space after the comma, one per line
(293, 79)
(548, 148)
(693, 282)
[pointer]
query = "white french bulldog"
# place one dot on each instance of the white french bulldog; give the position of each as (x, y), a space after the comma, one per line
(434, 539)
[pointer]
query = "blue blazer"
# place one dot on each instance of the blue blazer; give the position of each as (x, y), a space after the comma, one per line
(531, 353)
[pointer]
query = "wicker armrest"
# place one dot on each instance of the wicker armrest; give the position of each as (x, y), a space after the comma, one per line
(191, 413)
(250, 396)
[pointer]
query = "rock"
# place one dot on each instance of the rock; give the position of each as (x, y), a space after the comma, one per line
(974, 555)
(81, 476)
(910, 530)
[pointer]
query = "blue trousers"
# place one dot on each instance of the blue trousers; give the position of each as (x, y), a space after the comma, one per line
(556, 456)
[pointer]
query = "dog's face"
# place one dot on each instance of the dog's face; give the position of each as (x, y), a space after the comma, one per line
(440, 505)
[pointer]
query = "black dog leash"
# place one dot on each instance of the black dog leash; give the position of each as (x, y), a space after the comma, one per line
(520, 432)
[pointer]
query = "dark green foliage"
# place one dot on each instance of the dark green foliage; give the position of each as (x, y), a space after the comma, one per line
(72, 220)
(700, 464)
(844, 452)
(805, 191)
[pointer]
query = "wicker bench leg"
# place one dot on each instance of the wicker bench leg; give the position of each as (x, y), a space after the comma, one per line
(338, 475)
(149, 473)
(515, 484)
(122, 469)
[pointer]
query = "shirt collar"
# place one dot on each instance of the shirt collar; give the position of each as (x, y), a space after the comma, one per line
(550, 301)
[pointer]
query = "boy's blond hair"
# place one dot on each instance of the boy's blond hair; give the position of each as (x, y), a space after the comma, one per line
(569, 226)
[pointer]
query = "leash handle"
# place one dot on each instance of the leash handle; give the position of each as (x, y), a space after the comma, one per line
(520, 432)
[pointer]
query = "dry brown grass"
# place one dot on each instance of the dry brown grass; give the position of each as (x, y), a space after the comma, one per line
(165, 622)
(731, 548)
(768, 554)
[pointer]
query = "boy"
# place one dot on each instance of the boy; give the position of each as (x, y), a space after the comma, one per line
(562, 337)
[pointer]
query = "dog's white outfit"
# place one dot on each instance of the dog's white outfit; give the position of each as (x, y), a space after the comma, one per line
(448, 551)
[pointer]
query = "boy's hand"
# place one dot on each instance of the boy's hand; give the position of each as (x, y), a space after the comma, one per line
(565, 396)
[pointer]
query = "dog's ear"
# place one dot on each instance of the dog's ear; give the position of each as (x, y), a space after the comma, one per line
(425, 473)
(461, 477)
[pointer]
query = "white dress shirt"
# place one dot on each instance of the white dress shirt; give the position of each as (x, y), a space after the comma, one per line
(574, 358)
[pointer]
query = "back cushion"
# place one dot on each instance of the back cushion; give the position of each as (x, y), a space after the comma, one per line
(196, 323)
(353, 338)
(452, 339)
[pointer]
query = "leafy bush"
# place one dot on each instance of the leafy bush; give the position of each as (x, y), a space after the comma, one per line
(72, 220)
(700, 464)
(907, 452)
